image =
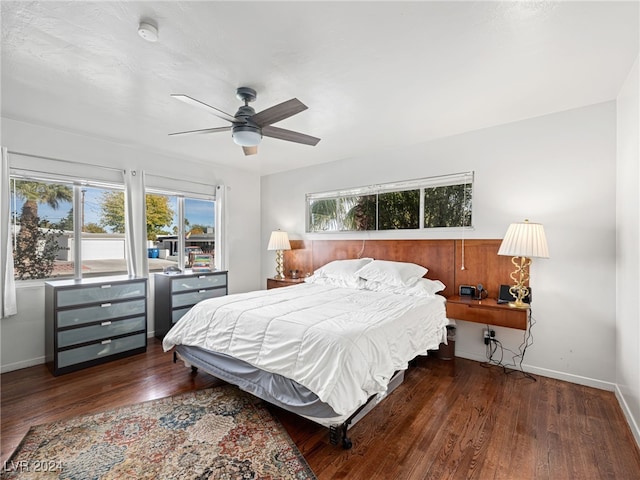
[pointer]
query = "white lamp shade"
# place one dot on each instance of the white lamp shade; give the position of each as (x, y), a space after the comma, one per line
(525, 240)
(279, 241)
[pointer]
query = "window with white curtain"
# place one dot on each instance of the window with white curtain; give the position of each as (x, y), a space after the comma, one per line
(65, 225)
(434, 202)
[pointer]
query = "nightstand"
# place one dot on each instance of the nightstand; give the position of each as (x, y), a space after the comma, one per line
(487, 311)
(282, 282)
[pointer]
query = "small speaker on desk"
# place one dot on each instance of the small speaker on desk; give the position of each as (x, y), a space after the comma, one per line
(506, 297)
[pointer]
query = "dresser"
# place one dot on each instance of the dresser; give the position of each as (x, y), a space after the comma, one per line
(94, 320)
(176, 293)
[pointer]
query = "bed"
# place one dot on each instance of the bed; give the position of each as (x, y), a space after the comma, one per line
(328, 349)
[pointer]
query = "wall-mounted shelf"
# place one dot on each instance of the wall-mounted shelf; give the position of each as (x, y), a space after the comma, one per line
(487, 311)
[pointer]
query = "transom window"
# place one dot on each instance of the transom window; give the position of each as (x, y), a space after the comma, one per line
(435, 202)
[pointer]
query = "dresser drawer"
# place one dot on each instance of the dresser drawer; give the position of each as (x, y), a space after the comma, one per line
(198, 282)
(178, 314)
(100, 350)
(107, 329)
(191, 298)
(104, 311)
(101, 293)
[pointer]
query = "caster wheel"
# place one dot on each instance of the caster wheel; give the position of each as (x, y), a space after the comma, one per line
(347, 444)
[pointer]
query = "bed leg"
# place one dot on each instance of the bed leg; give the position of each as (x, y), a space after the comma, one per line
(338, 431)
(194, 370)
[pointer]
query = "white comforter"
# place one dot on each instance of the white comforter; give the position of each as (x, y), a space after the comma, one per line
(342, 344)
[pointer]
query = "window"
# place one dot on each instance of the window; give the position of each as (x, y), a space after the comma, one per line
(103, 230)
(170, 214)
(41, 219)
(436, 202)
(45, 237)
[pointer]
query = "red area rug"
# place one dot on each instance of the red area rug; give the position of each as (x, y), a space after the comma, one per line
(217, 433)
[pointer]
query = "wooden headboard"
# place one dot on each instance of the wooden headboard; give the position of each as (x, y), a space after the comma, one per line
(443, 258)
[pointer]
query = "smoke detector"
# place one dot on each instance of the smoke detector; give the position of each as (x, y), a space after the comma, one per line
(148, 32)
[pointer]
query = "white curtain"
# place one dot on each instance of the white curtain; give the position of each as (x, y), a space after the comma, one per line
(135, 219)
(8, 304)
(220, 257)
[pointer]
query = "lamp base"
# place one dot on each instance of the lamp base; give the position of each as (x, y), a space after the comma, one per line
(520, 277)
(279, 265)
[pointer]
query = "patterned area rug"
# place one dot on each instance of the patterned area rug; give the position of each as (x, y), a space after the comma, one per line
(217, 433)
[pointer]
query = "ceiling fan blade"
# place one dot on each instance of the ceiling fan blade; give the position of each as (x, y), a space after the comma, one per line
(250, 150)
(204, 130)
(288, 135)
(197, 103)
(278, 112)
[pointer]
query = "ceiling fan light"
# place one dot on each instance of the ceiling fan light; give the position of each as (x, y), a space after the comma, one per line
(246, 136)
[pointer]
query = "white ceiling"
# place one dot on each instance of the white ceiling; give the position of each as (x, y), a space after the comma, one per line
(373, 74)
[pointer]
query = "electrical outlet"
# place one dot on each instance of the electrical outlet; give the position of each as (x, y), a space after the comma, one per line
(488, 335)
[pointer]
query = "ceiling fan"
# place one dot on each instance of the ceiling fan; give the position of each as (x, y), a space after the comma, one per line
(248, 127)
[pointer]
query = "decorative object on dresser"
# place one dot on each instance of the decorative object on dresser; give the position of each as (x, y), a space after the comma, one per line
(522, 242)
(279, 241)
(202, 262)
(176, 293)
(94, 320)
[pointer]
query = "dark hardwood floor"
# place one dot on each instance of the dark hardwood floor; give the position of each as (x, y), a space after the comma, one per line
(449, 419)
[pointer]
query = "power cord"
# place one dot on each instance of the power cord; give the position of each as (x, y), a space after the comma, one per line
(517, 358)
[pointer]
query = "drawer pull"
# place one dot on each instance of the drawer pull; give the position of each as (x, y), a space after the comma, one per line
(104, 342)
(105, 286)
(104, 305)
(202, 276)
(105, 324)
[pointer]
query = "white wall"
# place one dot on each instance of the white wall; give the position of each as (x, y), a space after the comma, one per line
(558, 170)
(22, 336)
(628, 254)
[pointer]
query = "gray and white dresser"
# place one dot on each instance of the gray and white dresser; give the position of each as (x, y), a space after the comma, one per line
(94, 320)
(176, 293)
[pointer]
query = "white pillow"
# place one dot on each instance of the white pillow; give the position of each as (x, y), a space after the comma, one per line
(401, 274)
(343, 269)
(424, 287)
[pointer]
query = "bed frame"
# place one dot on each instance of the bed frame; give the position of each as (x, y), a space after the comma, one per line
(337, 432)
(443, 258)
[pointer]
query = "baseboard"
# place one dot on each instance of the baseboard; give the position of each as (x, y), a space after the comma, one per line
(35, 361)
(22, 364)
(545, 372)
(633, 424)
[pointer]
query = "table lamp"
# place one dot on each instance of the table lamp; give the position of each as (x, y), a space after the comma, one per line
(279, 241)
(523, 241)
